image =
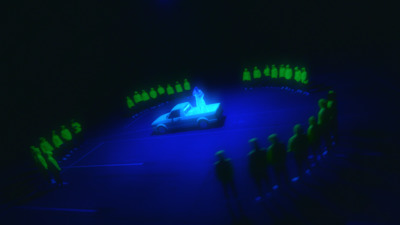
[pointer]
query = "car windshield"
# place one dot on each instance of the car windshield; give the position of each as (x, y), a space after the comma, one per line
(187, 109)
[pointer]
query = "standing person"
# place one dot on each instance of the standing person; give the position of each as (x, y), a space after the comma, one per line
(40, 162)
(56, 139)
(256, 73)
(323, 122)
(332, 111)
(313, 136)
(45, 146)
(277, 155)
(186, 85)
(224, 173)
(274, 75)
(282, 75)
(129, 102)
(53, 167)
(200, 103)
(298, 144)
(258, 165)
(267, 74)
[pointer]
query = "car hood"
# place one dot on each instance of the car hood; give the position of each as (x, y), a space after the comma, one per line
(160, 119)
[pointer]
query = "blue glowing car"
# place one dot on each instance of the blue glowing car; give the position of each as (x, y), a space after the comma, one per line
(184, 115)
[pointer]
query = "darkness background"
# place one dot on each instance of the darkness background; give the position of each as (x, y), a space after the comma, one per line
(68, 60)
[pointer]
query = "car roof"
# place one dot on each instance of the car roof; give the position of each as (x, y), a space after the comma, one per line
(180, 106)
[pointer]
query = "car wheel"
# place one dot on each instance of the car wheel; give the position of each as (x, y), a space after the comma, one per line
(162, 130)
(203, 124)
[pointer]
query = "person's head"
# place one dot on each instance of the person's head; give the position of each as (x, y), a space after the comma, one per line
(273, 138)
(256, 68)
(254, 144)
(322, 103)
(53, 132)
(267, 66)
(220, 155)
(245, 69)
(331, 95)
(273, 65)
(136, 93)
(62, 126)
(303, 69)
(312, 120)
(143, 91)
(281, 66)
(296, 68)
(35, 150)
(297, 129)
(185, 80)
(287, 66)
(177, 82)
(42, 139)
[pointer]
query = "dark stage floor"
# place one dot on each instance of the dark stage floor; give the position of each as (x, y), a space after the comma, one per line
(130, 176)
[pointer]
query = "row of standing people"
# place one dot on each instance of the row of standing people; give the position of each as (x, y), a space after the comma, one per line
(45, 156)
(320, 135)
(284, 76)
(140, 98)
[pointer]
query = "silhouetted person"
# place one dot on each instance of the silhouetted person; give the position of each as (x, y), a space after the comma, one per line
(323, 122)
(277, 154)
(332, 111)
(258, 165)
(313, 136)
(224, 172)
(298, 144)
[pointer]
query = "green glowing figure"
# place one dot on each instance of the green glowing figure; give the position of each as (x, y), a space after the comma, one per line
(153, 93)
(45, 146)
(178, 87)
(274, 72)
(333, 113)
(298, 144)
(38, 157)
(304, 77)
(288, 72)
(267, 71)
(281, 71)
(323, 116)
(137, 97)
(246, 75)
(56, 140)
(77, 127)
(170, 90)
(129, 102)
(145, 96)
(186, 85)
(313, 135)
(65, 133)
(160, 90)
(297, 74)
(256, 73)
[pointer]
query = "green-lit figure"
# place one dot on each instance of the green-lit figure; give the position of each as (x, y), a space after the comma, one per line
(246, 75)
(267, 71)
(145, 96)
(77, 128)
(304, 76)
(137, 97)
(276, 154)
(282, 71)
(39, 159)
(224, 173)
(45, 146)
(129, 102)
(258, 165)
(288, 72)
(178, 87)
(160, 90)
(186, 85)
(170, 90)
(323, 121)
(333, 114)
(53, 166)
(65, 133)
(313, 135)
(56, 140)
(297, 74)
(256, 73)
(298, 144)
(153, 93)
(274, 72)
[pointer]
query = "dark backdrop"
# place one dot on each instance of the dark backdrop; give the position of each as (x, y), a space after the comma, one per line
(79, 60)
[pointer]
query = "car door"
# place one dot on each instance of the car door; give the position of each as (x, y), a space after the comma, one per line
(175, 119)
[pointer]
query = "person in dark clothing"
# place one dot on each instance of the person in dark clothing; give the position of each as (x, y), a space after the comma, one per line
(323, 122)
(298, 145)
(224, 173)
(277, 156)
(258, 165)
(313, 136)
